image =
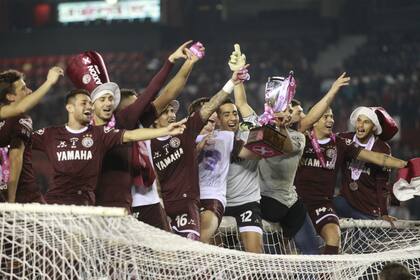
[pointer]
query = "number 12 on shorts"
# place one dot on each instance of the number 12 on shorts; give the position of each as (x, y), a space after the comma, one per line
(246, 216)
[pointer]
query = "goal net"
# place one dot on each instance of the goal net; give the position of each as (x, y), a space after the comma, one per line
(69, 242)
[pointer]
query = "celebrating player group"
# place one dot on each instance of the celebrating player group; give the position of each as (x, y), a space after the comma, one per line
(120, 148)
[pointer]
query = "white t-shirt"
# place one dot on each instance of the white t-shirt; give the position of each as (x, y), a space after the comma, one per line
(214, 161)
(146, 195)
(277, 174)
(242, 181)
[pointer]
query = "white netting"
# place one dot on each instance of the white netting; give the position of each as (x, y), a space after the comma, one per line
(63, 242)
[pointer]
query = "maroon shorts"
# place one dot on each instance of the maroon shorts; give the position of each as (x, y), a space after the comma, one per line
(153, 215)
(83, 198)
(322, 212)
(185, 217)
(30, 198)
(214, 206)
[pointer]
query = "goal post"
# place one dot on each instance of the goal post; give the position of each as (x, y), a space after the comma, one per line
(95, 243)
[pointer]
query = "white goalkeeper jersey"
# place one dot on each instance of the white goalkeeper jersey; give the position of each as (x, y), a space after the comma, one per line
(242, 181)
(277, 174)
(214, 161)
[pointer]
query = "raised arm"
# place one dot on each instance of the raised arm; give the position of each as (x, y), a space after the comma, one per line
(27, 103)
(322, 105)
(381, 159)
(237, 62)
(142, 134)
(210, 107)
(132, 114)
(177, 83)
(16, 163)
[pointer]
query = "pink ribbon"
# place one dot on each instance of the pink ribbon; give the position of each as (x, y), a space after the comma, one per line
(5, 166)
(195, 49)
(268, 116)
(109, 124)
(317, 148)
(285, 94)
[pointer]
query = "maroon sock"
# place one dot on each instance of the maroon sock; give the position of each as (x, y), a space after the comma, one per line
(330, 250)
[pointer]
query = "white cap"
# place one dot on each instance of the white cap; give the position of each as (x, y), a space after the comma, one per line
(368, 112)
(175, 104)
(106, 88)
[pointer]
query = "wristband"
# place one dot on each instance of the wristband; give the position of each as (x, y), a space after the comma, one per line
(228, 87)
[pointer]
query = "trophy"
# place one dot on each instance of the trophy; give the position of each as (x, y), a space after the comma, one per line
(265, 139)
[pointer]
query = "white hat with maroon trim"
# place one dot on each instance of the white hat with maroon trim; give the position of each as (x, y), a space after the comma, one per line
(368, 112)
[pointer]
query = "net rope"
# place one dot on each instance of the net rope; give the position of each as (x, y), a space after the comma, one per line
(95, 243)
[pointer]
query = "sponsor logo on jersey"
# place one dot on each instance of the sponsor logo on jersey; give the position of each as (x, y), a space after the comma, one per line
(109, 129)
(162, 164)
(62, 144)
(314, 162)
(74, 155)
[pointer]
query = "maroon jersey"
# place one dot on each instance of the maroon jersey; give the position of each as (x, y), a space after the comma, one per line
(313, 181)
(175, 162)
(373, 188)
(14, 131)
(115, 180)
(76, 158)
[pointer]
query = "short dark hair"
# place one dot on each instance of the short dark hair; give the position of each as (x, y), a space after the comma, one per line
(71, 95)
(127, 92)
(197, 104)
(395, 271)
(7, 78)
(227, 101)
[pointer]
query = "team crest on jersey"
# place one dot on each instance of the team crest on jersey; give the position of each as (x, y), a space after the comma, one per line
(174, 142)
(331, 153)
(348, 142)
(87, 141)
(40, 131)
(26, 122)
(2, 123)
(86, 79)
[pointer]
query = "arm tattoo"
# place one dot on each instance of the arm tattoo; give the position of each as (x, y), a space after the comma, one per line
(213, 104)
(386, 157)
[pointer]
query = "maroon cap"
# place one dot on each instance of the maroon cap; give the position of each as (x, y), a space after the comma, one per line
(87, 70)
(388, 124)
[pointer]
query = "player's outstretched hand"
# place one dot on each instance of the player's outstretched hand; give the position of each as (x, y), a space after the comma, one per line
(206, 141)
(176, 128)
(341, 81)
(241, 75)
(54, 74)
(195, 52)
(237, 59)
(180, 52)
(389, 219)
